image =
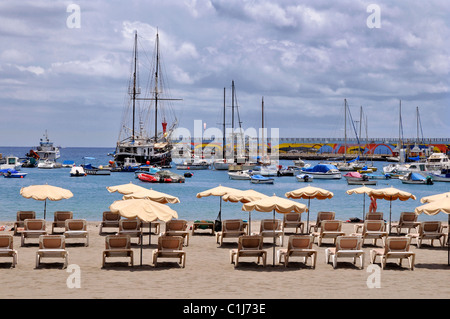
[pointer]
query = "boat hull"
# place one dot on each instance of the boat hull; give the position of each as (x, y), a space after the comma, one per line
(304, 178)
(239, 176)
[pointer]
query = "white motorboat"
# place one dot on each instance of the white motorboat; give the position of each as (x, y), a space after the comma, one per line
(323, 171)
(46, 164)
(301, 163)
(259, 179)
(444, 176)
(77, 171)
(266, 170)
(437, 162)
(221, 164)
(416, 178)
(304, 178)
(11, 162)
(288, 171)
(240, 175)
(195, 164)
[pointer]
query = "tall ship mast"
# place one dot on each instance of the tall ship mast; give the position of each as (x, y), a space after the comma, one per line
(136, 145)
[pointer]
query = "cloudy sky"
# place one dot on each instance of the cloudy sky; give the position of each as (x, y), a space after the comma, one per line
(303, 57)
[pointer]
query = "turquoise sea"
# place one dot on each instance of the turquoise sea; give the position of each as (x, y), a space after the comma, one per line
(91, 197)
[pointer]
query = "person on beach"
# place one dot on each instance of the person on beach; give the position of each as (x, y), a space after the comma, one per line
(373, 205)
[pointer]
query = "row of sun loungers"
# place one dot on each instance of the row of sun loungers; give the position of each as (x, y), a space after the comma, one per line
(176, 235)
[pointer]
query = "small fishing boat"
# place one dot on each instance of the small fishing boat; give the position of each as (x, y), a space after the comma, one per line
(356, 178)
(77, 171)
(304, 178)
(240, 175)
(160, 178)
(378, 176)
(12, 173)
(444, 176)
(288, 171)
(323, 171)
(416, 178)
(196, 164)
(46, 164)
(259, 179)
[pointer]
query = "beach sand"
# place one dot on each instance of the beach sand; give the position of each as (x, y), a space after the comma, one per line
(210, 275)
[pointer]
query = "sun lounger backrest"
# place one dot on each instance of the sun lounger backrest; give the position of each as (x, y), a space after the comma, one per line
(129, 224)
(408, 217)
(34, 224)
(176, 225)
(292, 217)
(270, 224)
(431, 226)
(75, 224)
(6, 241)
(51, 242)
(374, 225)
(398, 243)
(325, 216)
(170, 243)
(374, 216)
(25, 214)
(348, 242)
(117, 242)
(232, 225)
(110, 216)
(62, 215)
(331, 225)
(250, 242)
(300, 242)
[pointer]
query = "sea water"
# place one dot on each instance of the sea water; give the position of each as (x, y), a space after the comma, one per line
(91, 198)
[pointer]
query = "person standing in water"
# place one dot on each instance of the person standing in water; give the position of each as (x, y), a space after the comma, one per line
(373, 205)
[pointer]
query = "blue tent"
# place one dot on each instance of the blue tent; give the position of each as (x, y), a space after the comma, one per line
(417, 177)
(320, 168)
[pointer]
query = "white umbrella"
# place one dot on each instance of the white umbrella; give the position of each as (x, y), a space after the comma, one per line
(434, 206)
(44, 192)
(274, 204)
(144, 209)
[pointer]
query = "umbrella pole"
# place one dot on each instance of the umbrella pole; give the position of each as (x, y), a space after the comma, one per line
(307, 221)
(45, 207)
(249, 223)
(141, 239)
(149, 233)
(220, 209)
(390, 216)
(364, 206)
(274, 240)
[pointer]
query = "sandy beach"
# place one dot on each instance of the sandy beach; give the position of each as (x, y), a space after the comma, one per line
(210, 275)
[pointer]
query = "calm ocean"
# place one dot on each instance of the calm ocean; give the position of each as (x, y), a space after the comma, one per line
(91, 197)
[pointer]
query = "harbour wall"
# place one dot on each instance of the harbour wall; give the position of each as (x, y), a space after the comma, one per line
(322, 148)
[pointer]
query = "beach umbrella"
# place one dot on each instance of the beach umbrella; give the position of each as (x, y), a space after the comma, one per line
(434, 206)
(309, 192)
(144, 209)
(218, 191)
(432, 198)
(154, 196)
(245, 196)
(125, 189)
(391, 194)
(44, 193)
(274, 204)
(361, 190)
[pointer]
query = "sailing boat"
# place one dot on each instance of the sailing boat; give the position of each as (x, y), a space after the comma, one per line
(350, 165)
(135, 146)
(223, 163)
